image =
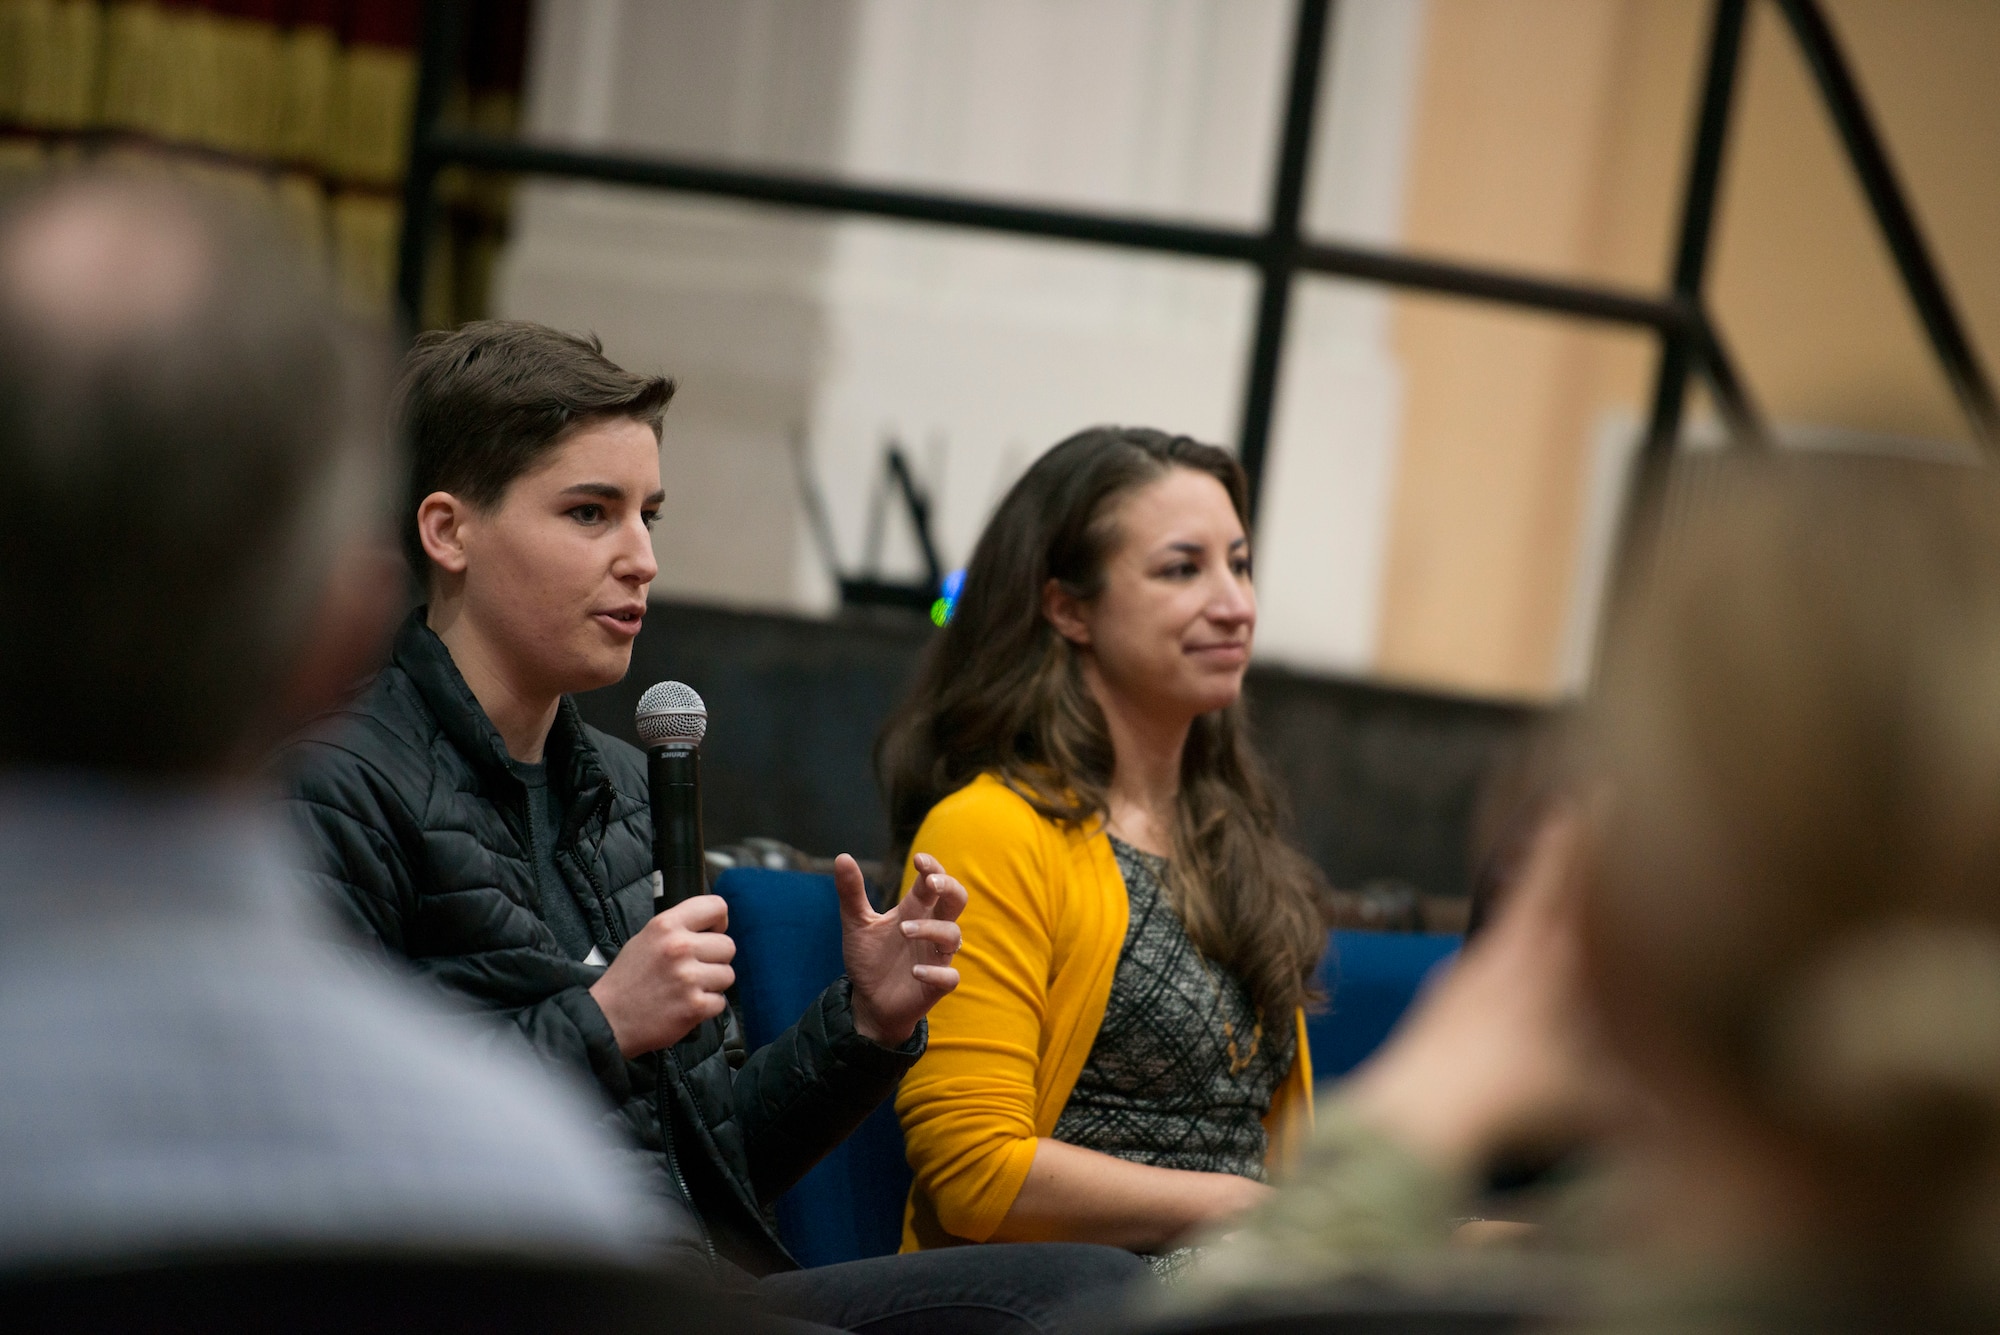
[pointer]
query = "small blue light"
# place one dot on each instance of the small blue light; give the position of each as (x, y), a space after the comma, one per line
(954, 584)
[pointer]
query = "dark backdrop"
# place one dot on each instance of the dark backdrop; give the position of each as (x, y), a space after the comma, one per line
(1381, 780)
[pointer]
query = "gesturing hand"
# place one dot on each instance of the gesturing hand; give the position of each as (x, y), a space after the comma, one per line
(899, 961)
(670, 977)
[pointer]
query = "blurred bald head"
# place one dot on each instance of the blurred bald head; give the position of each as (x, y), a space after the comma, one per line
(188, 441)
(93, 266)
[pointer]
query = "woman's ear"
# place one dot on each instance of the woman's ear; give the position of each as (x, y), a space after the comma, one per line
(1064, 610)
(441, 522)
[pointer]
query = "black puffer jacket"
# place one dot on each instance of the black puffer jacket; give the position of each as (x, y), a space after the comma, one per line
(417, 830)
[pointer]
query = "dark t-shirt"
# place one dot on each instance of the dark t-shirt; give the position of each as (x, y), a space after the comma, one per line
(559, 909)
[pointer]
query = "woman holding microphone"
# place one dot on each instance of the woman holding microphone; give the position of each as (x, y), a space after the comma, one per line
(1125, 1048)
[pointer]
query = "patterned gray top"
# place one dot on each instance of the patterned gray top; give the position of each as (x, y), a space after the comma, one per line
(1157, 1087)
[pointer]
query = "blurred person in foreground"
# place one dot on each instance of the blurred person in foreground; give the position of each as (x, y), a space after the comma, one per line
(190, 564)
(1783, 910)
(1126, 1053)
(460, 816)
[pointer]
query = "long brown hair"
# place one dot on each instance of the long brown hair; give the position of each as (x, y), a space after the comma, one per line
(1001, 691)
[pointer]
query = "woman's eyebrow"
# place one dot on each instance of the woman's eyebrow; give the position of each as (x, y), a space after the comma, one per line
(1188, 547)
(610, 491)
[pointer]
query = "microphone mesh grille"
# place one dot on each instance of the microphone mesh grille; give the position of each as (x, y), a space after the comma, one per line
(671, 712)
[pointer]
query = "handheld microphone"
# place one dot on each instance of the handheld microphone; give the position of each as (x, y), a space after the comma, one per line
(671, 721)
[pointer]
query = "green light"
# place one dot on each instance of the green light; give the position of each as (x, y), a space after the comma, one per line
(940, 611)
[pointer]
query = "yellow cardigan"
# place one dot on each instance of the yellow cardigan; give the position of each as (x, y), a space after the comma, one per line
(1043, 930)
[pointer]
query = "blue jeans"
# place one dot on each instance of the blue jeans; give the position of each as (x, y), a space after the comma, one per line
(1023, 1288)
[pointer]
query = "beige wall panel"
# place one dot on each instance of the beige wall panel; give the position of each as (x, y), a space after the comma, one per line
(1535, 131)
(1533, 116)
(1802, 284)
(1493, 476)
(1553, 135)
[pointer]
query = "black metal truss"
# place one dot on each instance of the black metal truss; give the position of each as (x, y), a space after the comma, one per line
(1280, 252)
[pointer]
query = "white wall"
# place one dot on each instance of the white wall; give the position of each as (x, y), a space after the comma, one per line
(724, 298)
(1327, 485)
(977, 351)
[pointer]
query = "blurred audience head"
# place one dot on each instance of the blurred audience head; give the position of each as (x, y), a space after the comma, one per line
(190, 462)
(1003, 689)
(482, 404)
(1794, 930)
(1530, 783)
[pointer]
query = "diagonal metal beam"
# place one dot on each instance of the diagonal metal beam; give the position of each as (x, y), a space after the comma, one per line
(1696, 346)
(1725, 383)
(1919, 271)
(1682, 352)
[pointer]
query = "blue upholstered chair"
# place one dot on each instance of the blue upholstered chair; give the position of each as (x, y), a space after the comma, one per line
(787, 930)
(1369, 978)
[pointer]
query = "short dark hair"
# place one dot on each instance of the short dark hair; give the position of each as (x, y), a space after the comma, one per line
(187, 441)
(479, 405)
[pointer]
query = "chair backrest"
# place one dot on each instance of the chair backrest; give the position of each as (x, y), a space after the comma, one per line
(1372, 1305)
(787, 930)
(303, 1292)
(1369, 979)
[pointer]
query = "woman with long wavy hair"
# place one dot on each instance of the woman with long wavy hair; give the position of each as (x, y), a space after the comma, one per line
(1127, 1035)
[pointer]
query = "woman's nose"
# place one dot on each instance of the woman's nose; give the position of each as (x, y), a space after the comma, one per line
(636, 561)
(1234, 602)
